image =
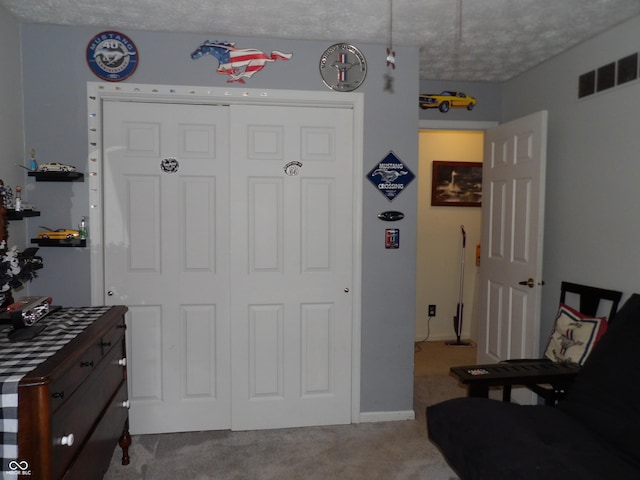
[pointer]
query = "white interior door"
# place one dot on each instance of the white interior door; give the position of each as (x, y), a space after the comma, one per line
(166, 244)
(291, 265)
(512, 234)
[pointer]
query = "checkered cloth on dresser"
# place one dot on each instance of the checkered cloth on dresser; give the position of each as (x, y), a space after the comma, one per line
(19, 358)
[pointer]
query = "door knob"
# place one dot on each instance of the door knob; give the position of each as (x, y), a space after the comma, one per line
(529, 283)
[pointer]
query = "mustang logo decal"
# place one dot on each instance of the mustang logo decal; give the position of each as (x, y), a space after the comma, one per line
(238, 63)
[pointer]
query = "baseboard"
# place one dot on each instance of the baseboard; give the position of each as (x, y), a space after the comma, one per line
(372, 417)
(439, 337)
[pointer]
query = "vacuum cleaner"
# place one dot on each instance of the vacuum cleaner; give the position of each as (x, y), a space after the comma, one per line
(457, 319)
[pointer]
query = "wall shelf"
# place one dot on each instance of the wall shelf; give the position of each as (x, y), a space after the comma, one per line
(54, 242)
(57, 176)
(13, 215)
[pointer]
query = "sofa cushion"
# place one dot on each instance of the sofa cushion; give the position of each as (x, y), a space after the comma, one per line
(484, 439)
(573, 336)
(605, 396)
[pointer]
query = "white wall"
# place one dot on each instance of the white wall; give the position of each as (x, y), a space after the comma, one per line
(439, 254)
(592, 229)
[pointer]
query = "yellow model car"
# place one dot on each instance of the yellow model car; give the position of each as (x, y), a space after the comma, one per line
(60, 234)
(446, 100)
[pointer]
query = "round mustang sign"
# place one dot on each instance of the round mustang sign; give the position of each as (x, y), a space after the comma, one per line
(112, 56)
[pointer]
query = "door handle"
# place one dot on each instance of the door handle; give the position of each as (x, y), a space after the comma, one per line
(530, 283)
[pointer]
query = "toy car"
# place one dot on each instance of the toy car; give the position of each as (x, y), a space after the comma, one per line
(446, 100)
(56, 167)
(60, 234)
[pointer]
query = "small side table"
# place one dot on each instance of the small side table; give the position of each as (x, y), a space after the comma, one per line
(478, 378)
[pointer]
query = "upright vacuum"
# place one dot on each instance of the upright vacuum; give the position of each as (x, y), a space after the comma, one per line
(457, 319)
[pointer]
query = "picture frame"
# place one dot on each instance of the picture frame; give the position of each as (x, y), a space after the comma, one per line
(456, 184)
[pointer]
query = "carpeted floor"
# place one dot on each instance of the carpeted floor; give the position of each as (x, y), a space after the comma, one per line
(435, 358)
(386, 451)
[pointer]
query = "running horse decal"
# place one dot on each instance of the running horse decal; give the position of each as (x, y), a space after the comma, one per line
(238, 63)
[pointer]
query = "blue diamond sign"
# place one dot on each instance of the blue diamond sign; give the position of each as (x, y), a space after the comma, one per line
(390, 176)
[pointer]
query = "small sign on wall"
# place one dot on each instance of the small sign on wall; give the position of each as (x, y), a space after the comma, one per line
(390, 176)
(392, 238)
(112, 56)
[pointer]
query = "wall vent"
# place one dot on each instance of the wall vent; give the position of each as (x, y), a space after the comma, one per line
(608, 76)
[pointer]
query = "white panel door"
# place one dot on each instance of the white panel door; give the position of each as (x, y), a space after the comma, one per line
(166, 258)
(291, 265)
(512, 234)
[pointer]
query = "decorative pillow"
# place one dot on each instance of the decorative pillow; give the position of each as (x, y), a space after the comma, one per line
(574, 335)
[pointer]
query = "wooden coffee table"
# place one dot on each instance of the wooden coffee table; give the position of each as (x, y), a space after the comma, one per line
(478, 378)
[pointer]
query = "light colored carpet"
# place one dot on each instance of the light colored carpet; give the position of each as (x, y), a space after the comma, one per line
(435, 358)
(385, 451)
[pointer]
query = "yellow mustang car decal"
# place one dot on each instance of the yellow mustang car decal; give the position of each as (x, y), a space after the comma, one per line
(446, 100)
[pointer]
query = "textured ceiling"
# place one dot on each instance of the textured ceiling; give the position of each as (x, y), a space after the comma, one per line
(470, 40)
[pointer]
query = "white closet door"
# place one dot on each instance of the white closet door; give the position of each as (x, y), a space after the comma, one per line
(166, 258)
(291, 265)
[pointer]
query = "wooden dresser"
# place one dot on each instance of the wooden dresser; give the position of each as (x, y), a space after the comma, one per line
(73, 407)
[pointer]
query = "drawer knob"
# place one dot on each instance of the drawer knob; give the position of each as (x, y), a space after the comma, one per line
(67, 440)
(58, 394)
(126, 404)
(122, 362)
(86, 364)
(106, 344)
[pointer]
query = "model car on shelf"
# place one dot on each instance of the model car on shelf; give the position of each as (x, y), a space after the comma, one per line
(56, 167)
(59, 234)
(446, 100)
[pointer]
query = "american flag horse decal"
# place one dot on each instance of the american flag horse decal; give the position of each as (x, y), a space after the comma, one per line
(238, 63)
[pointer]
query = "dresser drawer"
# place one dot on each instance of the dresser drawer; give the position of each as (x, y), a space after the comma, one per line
(93, 461)
(74, 419)
(112, 338)
(62, 388)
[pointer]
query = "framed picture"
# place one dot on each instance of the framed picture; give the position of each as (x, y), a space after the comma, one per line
(456, 184)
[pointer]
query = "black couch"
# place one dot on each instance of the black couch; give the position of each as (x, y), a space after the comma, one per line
(593, 433)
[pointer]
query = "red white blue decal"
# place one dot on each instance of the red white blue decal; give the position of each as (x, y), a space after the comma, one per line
(392, 238)
(237, 63)
(342, 72)
(112, 56)
(390, 176)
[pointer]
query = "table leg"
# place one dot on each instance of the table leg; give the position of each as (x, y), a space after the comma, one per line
(506, 393)
(480, 391)
(125, 442)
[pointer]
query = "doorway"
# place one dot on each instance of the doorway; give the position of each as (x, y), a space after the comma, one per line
(439, 248)
(512, 232)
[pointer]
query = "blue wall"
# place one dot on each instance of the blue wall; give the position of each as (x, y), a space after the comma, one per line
(11, 131)
(591, 230)
(55, 75)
